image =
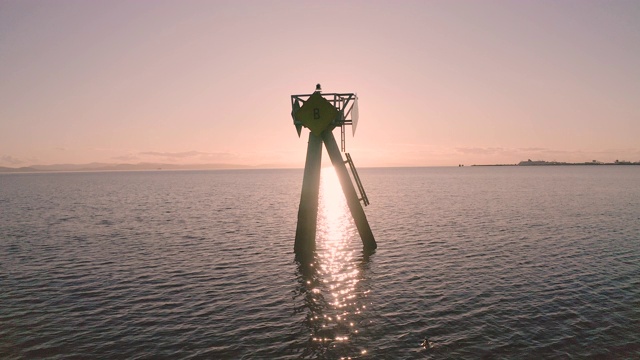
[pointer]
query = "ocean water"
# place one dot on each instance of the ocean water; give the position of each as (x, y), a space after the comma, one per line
(485, 262)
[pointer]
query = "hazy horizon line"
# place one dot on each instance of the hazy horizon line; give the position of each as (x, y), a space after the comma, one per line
(153, 166)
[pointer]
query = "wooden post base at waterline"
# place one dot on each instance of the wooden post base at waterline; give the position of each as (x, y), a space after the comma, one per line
(308, 210)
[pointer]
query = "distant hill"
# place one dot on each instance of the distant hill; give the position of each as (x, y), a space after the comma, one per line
(123, 167)
(21, 169)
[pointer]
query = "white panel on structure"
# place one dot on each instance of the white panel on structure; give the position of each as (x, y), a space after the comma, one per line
(355, 115)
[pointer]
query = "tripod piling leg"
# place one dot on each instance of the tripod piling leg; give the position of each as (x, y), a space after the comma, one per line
(350, 194)
(305, 242)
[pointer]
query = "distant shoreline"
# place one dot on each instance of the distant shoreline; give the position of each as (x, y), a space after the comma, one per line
(101, 167)
(557, 163)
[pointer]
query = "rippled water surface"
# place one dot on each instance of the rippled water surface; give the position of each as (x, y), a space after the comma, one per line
(495, 263)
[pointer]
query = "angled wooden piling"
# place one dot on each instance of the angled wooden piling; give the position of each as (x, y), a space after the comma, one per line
(349, 191)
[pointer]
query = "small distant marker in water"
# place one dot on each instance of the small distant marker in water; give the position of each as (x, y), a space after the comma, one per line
(426, 344)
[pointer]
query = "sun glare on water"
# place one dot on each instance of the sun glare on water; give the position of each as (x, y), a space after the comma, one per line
(337, 241)
(334, 219)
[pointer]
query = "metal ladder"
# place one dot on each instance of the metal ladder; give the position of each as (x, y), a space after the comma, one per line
(356, 177)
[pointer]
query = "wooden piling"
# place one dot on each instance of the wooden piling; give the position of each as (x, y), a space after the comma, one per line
(305, 242)
(349, 191)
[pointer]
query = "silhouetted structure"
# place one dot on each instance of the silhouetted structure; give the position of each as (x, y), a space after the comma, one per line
(321, 113)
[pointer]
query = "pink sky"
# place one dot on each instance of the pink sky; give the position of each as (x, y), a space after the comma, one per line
(439, 82)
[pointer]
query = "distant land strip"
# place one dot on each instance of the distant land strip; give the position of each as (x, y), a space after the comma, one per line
(129, 167)
(557, 163)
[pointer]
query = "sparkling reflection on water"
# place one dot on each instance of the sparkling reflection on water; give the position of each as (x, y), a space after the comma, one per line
(488, 263)
(331, 286)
